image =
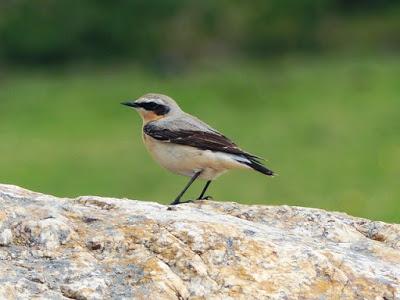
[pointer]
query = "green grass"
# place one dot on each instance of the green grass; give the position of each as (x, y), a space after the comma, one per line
(329, 126)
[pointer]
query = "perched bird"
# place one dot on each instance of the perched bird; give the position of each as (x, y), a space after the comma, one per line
(184, 145)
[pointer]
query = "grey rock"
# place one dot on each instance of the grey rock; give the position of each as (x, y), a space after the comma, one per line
(102, 248)
(5, 237)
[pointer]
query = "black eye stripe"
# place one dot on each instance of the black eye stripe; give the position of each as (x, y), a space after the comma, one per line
(158, 109)
(149, 105)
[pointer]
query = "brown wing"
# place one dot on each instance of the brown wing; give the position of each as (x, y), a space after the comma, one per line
(205, 140)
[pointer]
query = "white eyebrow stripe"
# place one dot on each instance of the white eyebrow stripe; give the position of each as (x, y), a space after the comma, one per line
(157, 101)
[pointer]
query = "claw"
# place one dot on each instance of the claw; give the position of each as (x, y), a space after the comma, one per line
(206, 198)
(188, 201)
(181, 202)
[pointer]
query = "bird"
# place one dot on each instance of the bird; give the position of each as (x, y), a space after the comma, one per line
(185, 145)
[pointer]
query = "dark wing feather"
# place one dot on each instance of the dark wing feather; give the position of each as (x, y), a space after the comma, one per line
(199, 139)
(205, 140)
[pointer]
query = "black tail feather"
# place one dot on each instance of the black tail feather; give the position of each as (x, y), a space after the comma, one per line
(258, 166)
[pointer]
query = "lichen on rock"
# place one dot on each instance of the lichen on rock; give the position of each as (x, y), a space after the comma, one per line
(102, 248)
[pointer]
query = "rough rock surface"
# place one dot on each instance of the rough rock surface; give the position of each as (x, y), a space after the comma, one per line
(102, 248)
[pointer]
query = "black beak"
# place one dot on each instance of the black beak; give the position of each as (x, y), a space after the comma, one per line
(130, 104)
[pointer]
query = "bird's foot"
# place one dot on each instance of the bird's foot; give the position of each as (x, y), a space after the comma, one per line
(188, 201)
(206, 198)
(181, 202)
(178, 201)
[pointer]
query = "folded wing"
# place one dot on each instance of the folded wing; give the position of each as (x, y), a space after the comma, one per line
(205, 140)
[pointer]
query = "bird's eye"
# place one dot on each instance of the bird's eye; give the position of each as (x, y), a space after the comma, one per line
(149, 105)
(159, 109)
(152, 106)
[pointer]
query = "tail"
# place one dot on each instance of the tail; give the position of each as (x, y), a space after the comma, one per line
(259, 167)
(254, 163)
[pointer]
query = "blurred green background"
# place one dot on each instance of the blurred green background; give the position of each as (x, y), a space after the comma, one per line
(313, 86)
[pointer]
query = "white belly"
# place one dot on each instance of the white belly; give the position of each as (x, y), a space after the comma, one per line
(186, 160)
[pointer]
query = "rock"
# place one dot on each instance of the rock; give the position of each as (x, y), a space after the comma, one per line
(102, 248)
(5, 237)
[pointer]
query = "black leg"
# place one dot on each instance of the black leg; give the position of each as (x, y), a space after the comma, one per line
(178, 198)
(204, 191)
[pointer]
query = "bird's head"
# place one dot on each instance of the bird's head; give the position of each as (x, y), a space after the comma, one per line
(154, 106)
